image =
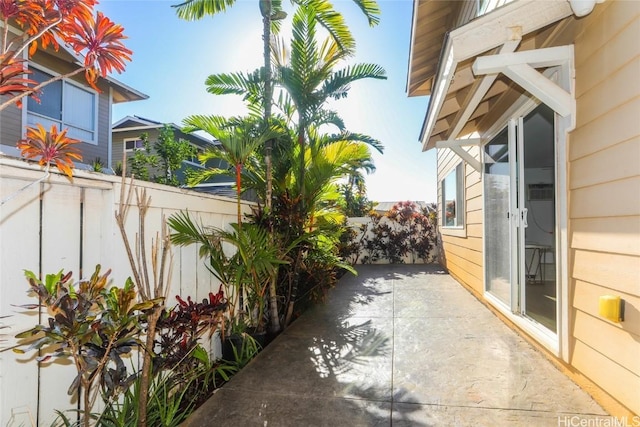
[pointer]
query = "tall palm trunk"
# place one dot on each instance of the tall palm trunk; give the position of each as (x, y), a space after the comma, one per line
(293, 289)
(268, 90)
(302, 174)
(274, 325)
(238, 188)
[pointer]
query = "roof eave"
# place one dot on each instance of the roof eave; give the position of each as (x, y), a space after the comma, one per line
(479, 36)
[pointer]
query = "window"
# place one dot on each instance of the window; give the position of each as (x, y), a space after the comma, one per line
(482, 6)
(194, 159)
(453, 198)
(66, 105)
(133, 144)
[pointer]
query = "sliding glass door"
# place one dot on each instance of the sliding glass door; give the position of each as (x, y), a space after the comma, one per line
(520, 217)
(497, 210)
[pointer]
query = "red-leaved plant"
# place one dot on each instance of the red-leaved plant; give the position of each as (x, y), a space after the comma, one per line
(52, 147)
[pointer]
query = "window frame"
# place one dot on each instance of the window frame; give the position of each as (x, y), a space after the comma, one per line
(193, 161)
(131, 150)
(62, 123)
(460, 188)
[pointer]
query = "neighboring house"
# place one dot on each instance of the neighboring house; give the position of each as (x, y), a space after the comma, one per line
(534, 112)
(127, 134)
(69, 103)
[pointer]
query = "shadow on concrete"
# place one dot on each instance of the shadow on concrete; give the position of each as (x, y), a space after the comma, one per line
(332, 366)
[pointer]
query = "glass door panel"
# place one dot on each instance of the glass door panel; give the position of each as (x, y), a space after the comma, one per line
(538, 294)
(497, 193)
(520, 217)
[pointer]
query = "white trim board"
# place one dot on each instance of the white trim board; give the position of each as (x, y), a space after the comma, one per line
(501, 27)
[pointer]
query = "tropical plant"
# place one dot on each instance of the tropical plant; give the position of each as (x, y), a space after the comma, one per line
(272, 12)
(245, 274)
(180, 328)
(309, 76)
(246, 349)
(152, 279)
(90, 323)
(46, 23)
(239, 138)
(52, 147)
(97, 165)
(405, 230)
(173, 397)
(327, 161)
(354, 192)
(117, 169)
(49, 148)
(171, 152)
(142, 159)
(354, 204)
(350, 243)
(302, 205)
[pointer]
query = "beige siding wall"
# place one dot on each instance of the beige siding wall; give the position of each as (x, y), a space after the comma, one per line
(119, 137)
(118, 146)
(462, 249)
(604, 199)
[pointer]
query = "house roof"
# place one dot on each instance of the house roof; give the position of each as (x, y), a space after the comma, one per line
(431, 20)
(138, 123)
(462, 102)
(121, 92)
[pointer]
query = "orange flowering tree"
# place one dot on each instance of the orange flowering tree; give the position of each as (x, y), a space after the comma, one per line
(29, 25)
(51, 22)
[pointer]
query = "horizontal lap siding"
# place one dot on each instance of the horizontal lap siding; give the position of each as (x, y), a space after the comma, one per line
(10, 125)
(118, 147)
(462, 252)
(604, 195)
(118, 143)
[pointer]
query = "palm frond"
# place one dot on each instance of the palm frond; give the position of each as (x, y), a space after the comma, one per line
(354, 137)
(333, 22)
(192, 10)
(234, 83)
(370, 9)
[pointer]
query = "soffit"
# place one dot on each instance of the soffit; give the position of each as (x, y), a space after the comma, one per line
(486, 36)
(431, 20)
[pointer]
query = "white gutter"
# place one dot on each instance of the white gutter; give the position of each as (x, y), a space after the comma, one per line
(414, 22)
(442, 83)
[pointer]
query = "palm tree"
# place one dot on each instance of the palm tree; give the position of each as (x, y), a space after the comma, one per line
(272, 13)
(309, 76)
(239, 140)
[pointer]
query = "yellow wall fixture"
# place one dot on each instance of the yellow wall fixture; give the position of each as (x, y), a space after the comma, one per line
(610, 308)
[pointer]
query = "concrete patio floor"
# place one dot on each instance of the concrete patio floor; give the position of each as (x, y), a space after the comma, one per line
(402, 345)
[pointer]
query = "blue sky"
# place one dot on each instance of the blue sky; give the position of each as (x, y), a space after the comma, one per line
(172, 59)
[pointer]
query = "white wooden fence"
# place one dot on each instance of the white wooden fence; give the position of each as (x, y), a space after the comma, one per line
(58, 225)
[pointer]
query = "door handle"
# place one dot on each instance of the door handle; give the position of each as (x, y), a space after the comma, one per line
(525, 211)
